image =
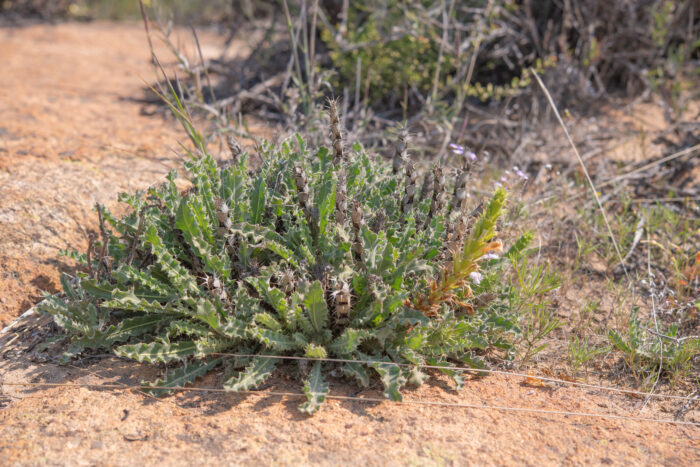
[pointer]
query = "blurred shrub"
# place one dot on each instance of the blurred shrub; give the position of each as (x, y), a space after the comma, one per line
(426, 47)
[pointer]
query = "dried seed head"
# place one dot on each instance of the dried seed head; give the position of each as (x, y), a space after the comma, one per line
(222, 214)
(221, 210)
(302, 187)
(428, 184)
(287, 281)
(456, 232)
(342, 301)
(336, 136)
(235, 147)
(357, 215)
(460, 193)
(341, 201)
(438, 193)
(312, 213)
(410, 186)
(379, 222)
(215, 287)
(401, 154)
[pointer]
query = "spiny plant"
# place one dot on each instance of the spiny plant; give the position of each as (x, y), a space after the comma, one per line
(317, 254)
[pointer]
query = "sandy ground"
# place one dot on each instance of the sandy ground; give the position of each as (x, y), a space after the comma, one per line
(91, 426)
(71, 135)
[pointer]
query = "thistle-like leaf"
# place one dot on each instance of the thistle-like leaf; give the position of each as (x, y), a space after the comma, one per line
(192, 222)
(392, 379)
(184, 375)
(357, 371)
(257, 200)
(316, 390)
(163, 352)
(316, 307)
(121, 332)
(254, 374)
(186, 328)
(348, 341)
(326, 202)
(275, 340)
(267, 320)
(180, 277)
(143, 278)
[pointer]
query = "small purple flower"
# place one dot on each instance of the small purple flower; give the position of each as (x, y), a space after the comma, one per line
(521, 174)
(475, 277)
(457, 149)
(504, 179)
(497, 185)
(472, 157)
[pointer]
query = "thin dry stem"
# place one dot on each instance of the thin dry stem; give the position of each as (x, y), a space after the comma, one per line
(583, 167)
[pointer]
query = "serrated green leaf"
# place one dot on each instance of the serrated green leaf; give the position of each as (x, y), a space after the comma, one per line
(517, 249)
(234, 328)
(157, 351)
(316, 307)
(194, 225)
(326, 202)
(392, 379)
(254, 374)
(267, 320)
(186, 328)
(316, 390)
(257, 200)
(179, 277)
(275, 340)
(357, 371)
(127, 300)
(180, 377)
(348, 341)
(121, 332)
(208, 313)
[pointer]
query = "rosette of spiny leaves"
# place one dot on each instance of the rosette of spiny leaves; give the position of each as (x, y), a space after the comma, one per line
(246, 266)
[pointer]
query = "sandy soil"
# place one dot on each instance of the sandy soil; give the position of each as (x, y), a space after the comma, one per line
(90, 426)
(70, 135)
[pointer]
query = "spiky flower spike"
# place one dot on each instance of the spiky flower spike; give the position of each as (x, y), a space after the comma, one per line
(340, 161)
(455, 275)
